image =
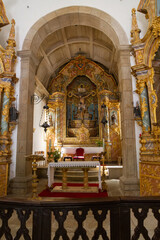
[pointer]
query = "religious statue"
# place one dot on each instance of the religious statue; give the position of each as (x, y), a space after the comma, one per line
(81, 94)
(137, 111)
(113, 118)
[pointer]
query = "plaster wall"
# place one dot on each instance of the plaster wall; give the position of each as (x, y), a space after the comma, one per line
(39, 136)
(26, 13)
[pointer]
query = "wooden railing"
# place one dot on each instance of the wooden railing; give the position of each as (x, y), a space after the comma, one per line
(119, 218)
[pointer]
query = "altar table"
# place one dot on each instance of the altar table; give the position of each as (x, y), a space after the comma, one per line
(85, 165)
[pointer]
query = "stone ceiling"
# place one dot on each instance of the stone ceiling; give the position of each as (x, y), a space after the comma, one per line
(64, 44)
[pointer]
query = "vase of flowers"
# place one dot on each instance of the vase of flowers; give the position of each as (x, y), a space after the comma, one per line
(54, 155)
(99, 143)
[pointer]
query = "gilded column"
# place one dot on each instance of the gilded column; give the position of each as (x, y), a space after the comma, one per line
(107, 136)
(7, 81)
(142, 90)
(5, 112)
(58, 120)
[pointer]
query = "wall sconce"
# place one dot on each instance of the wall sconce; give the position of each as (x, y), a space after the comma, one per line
(45, 113)
(13, 114)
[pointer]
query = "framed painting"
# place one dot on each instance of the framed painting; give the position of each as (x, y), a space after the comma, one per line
(158, 7)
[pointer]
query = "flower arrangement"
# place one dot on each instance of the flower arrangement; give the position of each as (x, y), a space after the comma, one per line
(99, 143)
(54, 155)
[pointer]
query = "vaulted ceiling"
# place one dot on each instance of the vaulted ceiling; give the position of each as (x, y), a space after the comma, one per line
(64, 44)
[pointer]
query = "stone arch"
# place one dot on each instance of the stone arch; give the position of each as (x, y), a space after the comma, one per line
(29, 62)
(97, 19)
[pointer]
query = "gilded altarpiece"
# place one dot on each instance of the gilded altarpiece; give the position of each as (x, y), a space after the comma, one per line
(146, 72)
(7, 82)
(76, 96)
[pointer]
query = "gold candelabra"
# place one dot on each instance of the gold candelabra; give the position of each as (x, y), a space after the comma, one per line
(35, 159)
(104, 184)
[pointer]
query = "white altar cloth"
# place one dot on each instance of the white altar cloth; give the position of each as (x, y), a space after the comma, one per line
(76, 164)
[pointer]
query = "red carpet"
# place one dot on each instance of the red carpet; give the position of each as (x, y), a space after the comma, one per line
(48, 193)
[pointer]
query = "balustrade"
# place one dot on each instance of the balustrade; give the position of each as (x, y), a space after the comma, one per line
(118, 218)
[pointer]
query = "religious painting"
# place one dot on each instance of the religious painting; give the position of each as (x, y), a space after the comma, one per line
(158, 7)
(82, 106)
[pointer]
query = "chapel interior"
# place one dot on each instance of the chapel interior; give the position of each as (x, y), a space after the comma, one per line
(80, 120)
(78, 96)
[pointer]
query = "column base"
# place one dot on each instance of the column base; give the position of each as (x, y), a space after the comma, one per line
(130, 186)
(20, 185)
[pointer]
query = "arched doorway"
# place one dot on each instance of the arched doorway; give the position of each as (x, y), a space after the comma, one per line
(52, 42)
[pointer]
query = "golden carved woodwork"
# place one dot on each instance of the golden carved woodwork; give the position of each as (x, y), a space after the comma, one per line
(105, 88)
(83, 135)
(139, 56)
(144, 52)
(156, 27)
(3, 178)
(148, 7)
(82, 66)
(3, 17)
(7, 81)
(150, 179)
(135, 31)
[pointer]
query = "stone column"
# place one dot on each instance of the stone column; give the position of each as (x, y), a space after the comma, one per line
(22, 182)
(129, 182)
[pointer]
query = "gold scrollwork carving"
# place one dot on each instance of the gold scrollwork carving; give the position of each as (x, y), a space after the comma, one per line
(143, 107)
(139, 56)
(83, 134)
(149, 175)
(153, 101)
(5, 112)
(145, 186)
(156, 27)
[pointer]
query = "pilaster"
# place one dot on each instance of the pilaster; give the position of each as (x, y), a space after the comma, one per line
(22, 182)
(129, 181)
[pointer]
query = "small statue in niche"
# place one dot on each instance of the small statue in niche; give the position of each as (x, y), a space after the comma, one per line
(50, 121)
(113, 118)
(137, 111)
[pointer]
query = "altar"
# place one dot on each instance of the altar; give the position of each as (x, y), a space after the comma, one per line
(85, 165)
(89, 152)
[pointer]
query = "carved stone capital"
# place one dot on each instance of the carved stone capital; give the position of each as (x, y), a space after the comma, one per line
(27, 55)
